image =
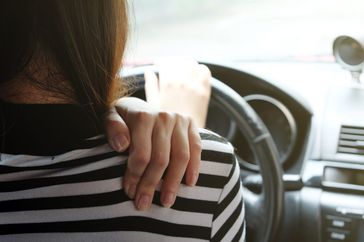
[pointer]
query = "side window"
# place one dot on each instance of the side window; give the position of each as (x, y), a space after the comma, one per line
(237, 30)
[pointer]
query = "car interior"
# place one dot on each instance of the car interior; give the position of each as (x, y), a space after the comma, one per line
(287, 93)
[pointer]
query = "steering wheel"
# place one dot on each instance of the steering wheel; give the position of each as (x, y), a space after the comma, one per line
(264, 210)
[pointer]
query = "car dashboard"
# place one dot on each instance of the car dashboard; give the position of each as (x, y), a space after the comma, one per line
(315, 115)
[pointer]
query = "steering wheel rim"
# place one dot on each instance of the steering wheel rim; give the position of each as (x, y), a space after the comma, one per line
(263, 211)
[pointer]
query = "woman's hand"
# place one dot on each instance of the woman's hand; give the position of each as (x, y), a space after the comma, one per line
(158, 141)
(183, 87)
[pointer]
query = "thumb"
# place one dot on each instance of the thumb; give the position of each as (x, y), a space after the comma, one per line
(116, 131)
(151, 87)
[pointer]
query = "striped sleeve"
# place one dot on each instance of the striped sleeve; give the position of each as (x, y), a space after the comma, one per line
(228, 219)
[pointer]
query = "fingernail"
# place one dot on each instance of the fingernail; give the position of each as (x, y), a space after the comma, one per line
(119, 143)
(168, 199)
(143, 202)
(192, 179)
(131, 191)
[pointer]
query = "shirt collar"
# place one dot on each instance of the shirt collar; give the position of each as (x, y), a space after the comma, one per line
(45, 129)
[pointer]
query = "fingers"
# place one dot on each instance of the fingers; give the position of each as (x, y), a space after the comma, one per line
(170, 140)
(139, 152)
(180, 156)
(159, 161)
(158, 140)
(116, 131)
(183, 148)
(193, 168)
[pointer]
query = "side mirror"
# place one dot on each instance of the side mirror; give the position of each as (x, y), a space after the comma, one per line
(349, 53)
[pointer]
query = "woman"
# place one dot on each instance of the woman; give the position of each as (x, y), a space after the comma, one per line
(59, 181)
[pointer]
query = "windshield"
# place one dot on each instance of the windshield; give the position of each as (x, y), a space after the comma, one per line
(238, 30)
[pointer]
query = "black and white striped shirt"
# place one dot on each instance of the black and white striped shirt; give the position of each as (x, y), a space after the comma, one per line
(53, 190)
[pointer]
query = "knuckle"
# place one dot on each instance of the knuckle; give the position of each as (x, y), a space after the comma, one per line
(165, 117)
(183, 156)
(188, 119)
(141, 159)
(196, 144)
(143, 116)
(180, 118)
(160, 162)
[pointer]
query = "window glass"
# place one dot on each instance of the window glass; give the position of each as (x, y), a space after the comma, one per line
(238, 30)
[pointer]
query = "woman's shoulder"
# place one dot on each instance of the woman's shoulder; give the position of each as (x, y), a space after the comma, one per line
(217, 153)
(213, 141)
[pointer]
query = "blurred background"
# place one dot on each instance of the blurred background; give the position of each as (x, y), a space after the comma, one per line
(239, 30)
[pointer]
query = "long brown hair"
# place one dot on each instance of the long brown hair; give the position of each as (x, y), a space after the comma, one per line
(84, 38)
